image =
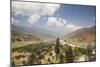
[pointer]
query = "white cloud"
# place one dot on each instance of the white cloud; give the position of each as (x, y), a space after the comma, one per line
(36, 10)
(56, 22)
(33, 19)
(14, 21)
(72, 27)
(60, 22)
(30, 9)
(77, 27)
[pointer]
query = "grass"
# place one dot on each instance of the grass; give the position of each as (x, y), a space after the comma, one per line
(21, 44)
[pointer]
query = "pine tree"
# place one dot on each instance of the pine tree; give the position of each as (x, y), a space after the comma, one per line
(57, 50)
(69, 55)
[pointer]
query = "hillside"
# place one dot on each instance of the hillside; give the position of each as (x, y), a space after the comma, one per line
(87, 34)
(19, 36)
(41, 32)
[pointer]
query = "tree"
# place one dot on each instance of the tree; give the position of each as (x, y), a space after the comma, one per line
(57, 50)
(61, 59)
(31, 59)
(69, 55)
(89, 52)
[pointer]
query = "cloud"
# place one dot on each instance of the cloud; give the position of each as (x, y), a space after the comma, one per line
(69, 26)
(14, 21)
(61, 23)
(77, 27)
(72, 27)
(33, 10)
(54, 21)
(33, 19)
(28, 8)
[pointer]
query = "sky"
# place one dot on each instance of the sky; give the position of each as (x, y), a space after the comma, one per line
(54, 17)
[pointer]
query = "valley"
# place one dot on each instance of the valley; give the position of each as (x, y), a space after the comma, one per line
(34, 49)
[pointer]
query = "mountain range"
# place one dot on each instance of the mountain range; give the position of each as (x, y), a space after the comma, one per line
(88, 34)
(40, 32)
(81, 34)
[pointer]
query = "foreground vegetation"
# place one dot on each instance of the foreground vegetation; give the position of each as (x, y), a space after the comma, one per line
(50, 53)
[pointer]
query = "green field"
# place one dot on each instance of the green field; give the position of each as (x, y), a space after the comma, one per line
(21, 44)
